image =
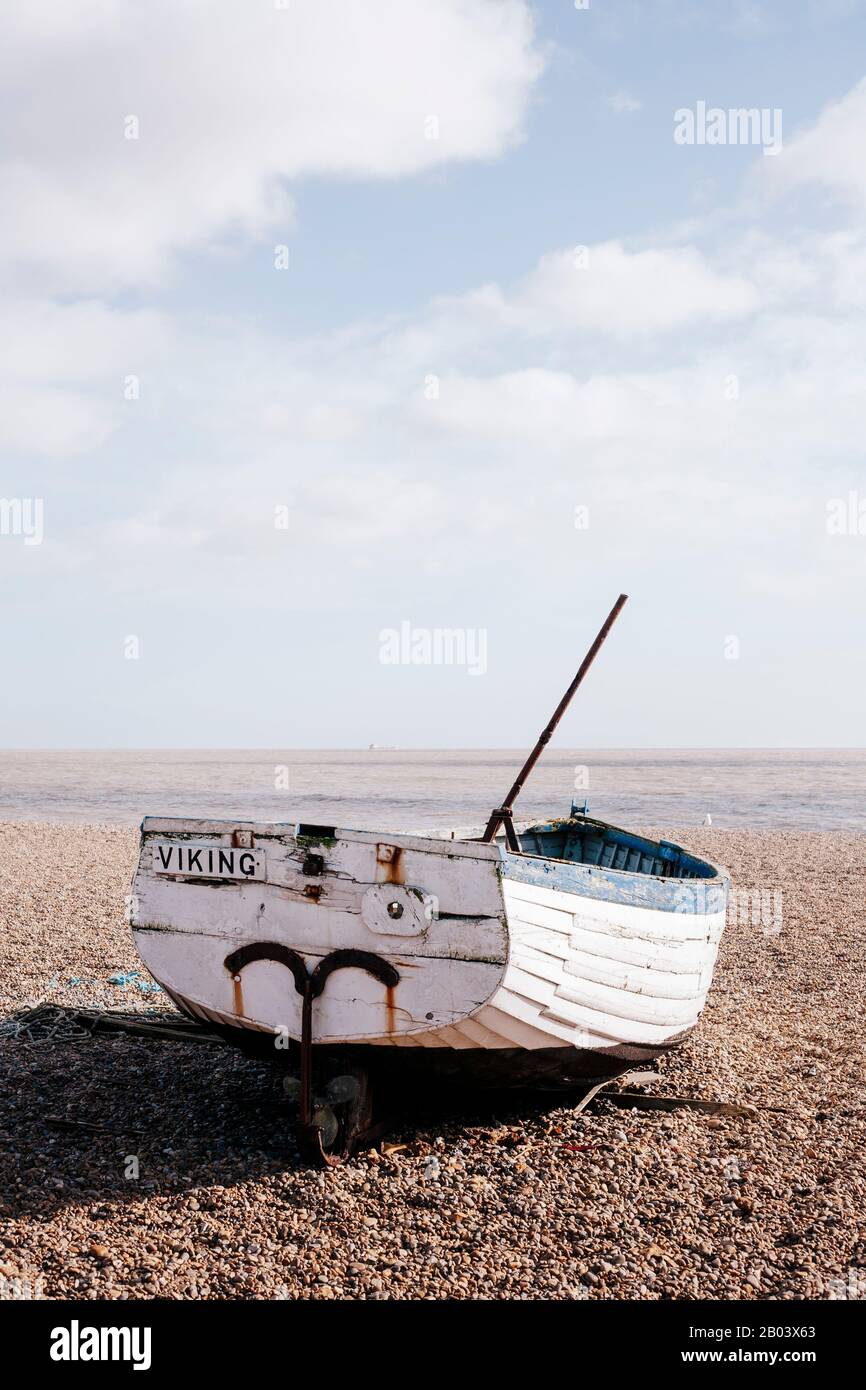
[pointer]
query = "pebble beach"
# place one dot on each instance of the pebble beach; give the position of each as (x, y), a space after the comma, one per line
(135, 1168)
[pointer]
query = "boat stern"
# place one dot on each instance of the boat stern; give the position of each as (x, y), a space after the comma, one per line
(393, 937)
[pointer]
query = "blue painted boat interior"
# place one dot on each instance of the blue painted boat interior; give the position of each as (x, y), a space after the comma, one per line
(585, 841)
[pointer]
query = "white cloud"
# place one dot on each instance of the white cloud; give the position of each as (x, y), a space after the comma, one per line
(43, 340)
(751, 21)
(604, 379)
(623, 103)
(830, 152)
(48, 421)
(619, 292)
(64, 371)
(233, 102)
(615, 292)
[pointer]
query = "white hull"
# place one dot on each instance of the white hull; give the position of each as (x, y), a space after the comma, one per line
(486, 962)
(602, 976)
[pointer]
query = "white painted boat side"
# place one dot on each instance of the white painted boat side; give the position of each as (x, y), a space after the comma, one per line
(594, 914)
(448, 945)
(500, 963)
(644, 998)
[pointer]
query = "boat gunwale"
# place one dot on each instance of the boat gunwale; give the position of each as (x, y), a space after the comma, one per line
(293, 830)
(702, 895)
(468, 847)
(718, 873)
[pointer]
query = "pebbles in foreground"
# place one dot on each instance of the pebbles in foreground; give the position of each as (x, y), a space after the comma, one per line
(186, 1184)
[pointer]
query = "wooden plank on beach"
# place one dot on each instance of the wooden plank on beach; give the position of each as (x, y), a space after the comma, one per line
(639, 1101)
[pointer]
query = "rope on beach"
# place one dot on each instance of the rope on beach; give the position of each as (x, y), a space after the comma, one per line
(53, 1023)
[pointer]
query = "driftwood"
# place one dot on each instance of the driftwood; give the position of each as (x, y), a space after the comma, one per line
(171, 1028)
(589, 1096)
(639, 1101)
(638, 1078)
(59, 1122)
(56, 1022)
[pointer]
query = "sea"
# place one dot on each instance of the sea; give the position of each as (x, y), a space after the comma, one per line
(439, 789)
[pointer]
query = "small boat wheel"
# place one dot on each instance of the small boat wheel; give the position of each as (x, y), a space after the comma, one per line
(340, 1118)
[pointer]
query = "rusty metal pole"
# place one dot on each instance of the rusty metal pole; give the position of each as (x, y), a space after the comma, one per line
(503, 815)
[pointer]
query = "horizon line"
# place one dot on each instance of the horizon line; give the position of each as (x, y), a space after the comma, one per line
(438, 748)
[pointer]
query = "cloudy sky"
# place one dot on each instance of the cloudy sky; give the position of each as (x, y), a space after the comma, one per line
(320, 318)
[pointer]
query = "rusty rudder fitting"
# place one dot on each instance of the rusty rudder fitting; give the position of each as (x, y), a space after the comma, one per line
(310, 984)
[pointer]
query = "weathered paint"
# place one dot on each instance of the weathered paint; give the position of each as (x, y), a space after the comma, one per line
(688, 895)
(495, 951)
(581, 839)
(366, 896)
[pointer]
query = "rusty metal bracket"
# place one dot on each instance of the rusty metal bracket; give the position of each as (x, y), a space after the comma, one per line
(503, 816)
(310, 985)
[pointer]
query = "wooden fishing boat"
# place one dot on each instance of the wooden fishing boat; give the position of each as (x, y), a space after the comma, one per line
(560, 954)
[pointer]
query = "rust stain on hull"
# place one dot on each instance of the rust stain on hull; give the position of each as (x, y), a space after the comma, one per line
(390, 861)
(390, 1009)
(238, 991)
